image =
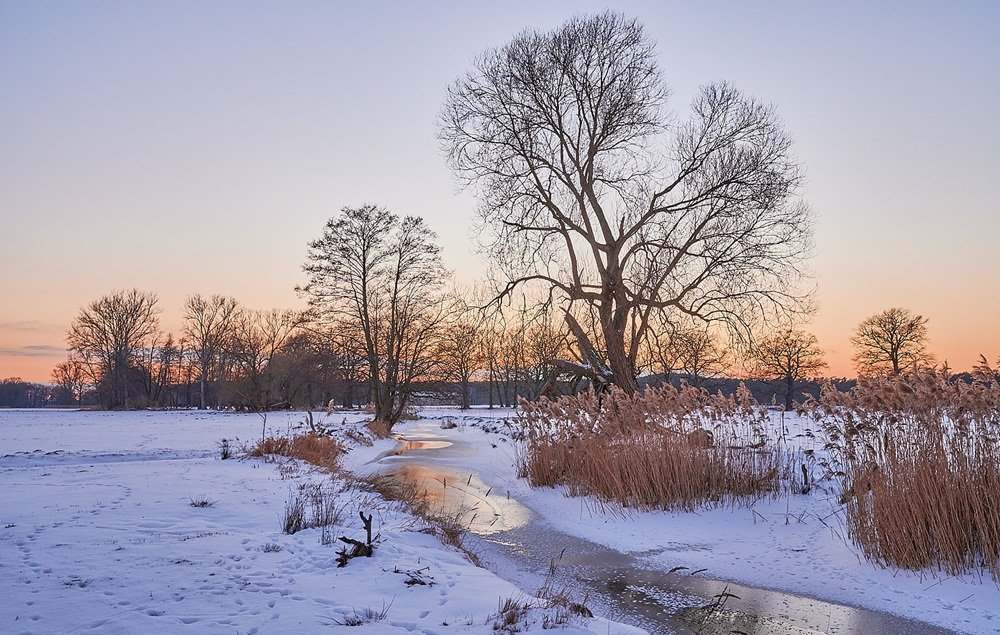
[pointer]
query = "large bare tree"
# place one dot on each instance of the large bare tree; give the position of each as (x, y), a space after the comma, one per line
(891, 341)
(589, 188)
(789, 356)
(109, 335)
(380, 274)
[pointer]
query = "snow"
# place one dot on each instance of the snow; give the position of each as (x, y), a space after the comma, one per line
(98, 532)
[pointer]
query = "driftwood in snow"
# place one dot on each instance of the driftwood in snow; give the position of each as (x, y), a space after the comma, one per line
(358, 548)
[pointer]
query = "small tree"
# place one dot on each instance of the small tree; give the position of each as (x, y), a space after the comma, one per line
(461, 349)
(71, 376)
(890, 341)
(258, 337)
(380, 274)
(788, 356)
(208, 326)
(694, 352)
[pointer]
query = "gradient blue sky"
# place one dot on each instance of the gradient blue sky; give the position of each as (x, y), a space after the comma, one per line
(185, 147)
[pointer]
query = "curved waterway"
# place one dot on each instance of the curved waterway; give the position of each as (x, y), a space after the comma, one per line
(520, 546)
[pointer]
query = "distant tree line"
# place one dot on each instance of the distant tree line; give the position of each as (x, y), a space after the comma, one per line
(17, 393)
(384, 331)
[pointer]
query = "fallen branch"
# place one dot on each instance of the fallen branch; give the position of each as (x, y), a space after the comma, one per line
(358, 548)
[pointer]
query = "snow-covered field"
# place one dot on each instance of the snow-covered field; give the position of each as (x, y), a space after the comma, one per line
(98, 533)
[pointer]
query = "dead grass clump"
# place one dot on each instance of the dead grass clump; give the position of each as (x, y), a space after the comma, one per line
(361, 617)
(380, 428)
(920, 468)
(359, 437)
(202, 501)
(294, 520)
(664, 448)
(323, 504)
(321, 451)
(511, 616)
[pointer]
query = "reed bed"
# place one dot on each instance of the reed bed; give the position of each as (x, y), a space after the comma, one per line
(664, 448)
(316, 449)
(919, 465)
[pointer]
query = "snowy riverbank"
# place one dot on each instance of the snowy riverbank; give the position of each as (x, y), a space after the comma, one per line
(98, 533)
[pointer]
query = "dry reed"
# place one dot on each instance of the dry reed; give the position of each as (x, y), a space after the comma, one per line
(663, 448)
(321, 451)
(919, 464)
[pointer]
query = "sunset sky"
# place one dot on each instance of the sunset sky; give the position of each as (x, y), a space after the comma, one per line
(196, 147)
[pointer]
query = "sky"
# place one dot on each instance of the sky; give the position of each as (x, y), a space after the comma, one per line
(197, 147)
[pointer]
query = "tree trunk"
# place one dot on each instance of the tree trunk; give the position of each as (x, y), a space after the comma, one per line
(465, 393)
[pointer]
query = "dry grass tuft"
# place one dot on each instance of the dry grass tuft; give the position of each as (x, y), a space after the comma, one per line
(920, 468)
(321, 451)
(324, 506)
(381, 429)
(664, 448)
(511, 616)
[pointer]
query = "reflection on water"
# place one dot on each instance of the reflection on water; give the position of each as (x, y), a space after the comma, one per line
(410, 446)
(621, 586)
(464, 499)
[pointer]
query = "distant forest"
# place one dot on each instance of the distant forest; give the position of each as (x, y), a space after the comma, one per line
(306, 394)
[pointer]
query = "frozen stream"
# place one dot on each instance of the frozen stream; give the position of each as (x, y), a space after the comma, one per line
(517, 543)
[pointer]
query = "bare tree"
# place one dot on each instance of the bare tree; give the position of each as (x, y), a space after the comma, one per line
(588, 189)
(790, 356)
(461, 352)
(697, 354)
(258, 336)
(208, 324)
(891, 341)
(71, 376)
(381, 274)
(109, 334)
(155, 368)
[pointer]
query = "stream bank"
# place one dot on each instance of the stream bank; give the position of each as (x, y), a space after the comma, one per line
(518, 544)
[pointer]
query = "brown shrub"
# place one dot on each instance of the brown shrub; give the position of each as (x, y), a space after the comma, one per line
(920, 468)
(664, 448)
(321, 451)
